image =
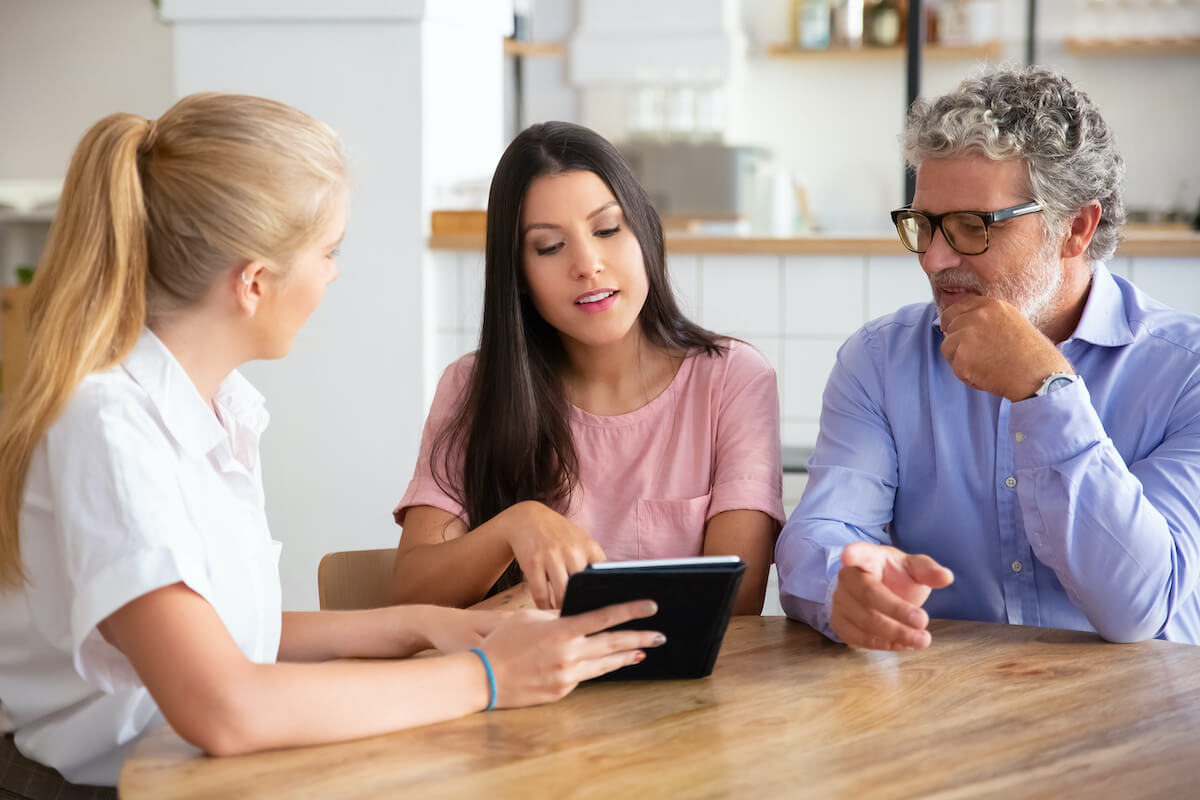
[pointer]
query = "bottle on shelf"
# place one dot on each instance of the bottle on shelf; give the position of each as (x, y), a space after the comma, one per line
(811, 24)
(846, 23)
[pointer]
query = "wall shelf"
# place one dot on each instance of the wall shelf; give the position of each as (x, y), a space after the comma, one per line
(1133, 47)
(516, 47)
(986, 50)
(38, 216)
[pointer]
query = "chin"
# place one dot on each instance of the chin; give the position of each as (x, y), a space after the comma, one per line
(276, 350)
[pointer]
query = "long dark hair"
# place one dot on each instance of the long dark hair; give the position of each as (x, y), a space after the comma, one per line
(510, 439)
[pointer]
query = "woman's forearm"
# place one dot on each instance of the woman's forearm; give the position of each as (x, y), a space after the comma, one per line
(392, 632)
(751, 536)
(258, 708)
(456, 573)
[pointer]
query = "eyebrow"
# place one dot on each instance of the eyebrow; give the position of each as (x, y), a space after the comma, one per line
(548, 226)
(339, 240)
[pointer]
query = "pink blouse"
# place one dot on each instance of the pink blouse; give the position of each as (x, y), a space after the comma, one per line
(651, 479)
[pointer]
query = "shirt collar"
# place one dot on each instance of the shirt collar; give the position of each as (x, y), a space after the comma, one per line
(184, 413)
(1103, 321)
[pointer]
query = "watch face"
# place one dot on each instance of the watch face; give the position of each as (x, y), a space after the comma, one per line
(1058, 383)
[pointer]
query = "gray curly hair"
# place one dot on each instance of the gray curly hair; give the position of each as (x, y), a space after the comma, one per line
(1034, 113)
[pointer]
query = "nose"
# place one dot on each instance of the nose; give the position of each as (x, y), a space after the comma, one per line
(586, 262)
(940, 255)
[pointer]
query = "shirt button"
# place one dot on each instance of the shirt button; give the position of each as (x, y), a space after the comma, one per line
(1020, 437)
(1016, 566)
(1010, 481)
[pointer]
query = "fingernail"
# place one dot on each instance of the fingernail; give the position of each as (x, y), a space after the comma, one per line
(650, 608)
(639, 656)
(916, 619)
(658, 639)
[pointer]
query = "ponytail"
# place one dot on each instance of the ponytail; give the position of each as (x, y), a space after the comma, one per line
(152, 214)
(87, 305)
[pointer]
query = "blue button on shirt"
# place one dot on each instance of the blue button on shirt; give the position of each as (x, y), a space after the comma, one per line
(1078, 509)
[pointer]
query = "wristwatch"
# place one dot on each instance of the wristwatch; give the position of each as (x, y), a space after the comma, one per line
(1056, 381)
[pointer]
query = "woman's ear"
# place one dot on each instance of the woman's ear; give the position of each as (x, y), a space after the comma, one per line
(249, 283)
(1083, 227)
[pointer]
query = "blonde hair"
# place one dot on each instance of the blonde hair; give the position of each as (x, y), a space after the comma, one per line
(151, 215)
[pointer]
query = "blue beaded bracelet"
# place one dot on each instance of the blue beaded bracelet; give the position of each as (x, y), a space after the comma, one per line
(491, 678)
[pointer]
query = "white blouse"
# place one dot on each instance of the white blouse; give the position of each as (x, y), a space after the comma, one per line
(136, 486)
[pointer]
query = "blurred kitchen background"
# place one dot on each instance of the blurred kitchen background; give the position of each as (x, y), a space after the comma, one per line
(764, 130)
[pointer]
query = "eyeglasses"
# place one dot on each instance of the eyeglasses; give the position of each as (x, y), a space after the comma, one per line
(965, 231)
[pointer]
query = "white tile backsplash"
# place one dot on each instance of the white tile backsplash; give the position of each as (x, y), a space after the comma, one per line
(823, 294)
(797, 310)
(894, 281)
(470, 285)
(1174, 281)
(444, 264)
(684, 271)
(800, 431)
(809, 362)
(740, 295)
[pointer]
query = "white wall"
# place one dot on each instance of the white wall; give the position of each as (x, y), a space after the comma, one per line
(414, 92)
(342, 402)
(65, 64)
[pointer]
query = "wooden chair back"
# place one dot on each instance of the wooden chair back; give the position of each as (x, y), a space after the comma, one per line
(352, 579)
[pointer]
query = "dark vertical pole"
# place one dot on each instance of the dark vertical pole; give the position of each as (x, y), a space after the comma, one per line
(1031, 32)
(518, 95)
(915, 45)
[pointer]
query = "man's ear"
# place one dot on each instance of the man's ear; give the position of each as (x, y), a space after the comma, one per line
(1083, 227)
(249, 283)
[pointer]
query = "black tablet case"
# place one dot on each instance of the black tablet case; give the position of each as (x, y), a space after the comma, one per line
(694, 605)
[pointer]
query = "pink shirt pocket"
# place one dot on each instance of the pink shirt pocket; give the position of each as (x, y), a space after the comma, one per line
(671, 528)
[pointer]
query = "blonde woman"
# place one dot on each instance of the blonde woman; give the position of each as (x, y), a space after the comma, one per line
(140, 581)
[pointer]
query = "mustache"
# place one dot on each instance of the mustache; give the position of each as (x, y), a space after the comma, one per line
(956, 279)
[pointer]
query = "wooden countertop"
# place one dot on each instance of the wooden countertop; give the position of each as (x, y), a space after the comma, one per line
(987, 711)
(464, 230)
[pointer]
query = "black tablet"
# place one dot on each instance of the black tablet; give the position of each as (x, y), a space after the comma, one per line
(694, 596)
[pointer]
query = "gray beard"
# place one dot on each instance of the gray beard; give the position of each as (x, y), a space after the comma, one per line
(1032, 292)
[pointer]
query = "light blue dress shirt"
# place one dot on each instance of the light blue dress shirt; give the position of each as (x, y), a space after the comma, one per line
(1078, 509)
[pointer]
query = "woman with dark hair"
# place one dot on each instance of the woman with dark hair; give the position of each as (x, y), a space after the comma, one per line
(595, 420)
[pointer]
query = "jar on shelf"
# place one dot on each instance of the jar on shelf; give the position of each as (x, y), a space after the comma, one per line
(884, 23)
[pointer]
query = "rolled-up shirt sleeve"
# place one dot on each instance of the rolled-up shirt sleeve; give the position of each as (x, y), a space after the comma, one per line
(851, 487)
(1124, 540)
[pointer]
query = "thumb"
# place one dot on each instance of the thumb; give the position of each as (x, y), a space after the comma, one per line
(924, 570)
(862, 555)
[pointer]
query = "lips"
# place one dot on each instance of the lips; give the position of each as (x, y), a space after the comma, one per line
(597, 300)
(595, 296)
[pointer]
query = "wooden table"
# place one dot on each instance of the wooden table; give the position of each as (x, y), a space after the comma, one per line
(988, 710)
